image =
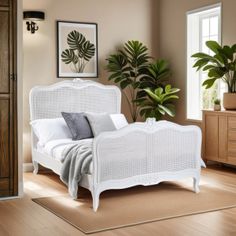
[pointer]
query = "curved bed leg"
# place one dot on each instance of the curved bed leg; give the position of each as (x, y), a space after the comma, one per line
(36, 167)
(95, 196)
(196, 181)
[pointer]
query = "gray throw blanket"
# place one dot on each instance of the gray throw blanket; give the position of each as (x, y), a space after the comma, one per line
(76, 161)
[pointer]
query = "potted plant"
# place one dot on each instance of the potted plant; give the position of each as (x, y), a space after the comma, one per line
(219, 65)
(142, 80)
(217, 106)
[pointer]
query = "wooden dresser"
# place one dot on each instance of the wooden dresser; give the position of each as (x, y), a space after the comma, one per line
(219, 136)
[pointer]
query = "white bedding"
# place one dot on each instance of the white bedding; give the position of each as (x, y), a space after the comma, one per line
(56, 147)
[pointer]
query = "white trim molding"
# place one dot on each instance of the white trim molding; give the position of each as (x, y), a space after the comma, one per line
(28, 167)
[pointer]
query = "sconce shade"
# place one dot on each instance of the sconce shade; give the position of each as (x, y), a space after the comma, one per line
(30, 17)
(33, 15)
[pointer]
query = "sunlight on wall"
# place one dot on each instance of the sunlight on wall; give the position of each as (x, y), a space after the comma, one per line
(36, 39)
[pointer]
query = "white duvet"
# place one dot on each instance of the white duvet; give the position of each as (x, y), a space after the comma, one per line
(55, 148)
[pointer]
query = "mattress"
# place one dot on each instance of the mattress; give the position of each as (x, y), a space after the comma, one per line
(55, 149)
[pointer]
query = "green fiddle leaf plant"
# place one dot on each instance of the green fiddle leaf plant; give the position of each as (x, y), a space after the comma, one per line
(220, 65)
(126, 68)
(155, 75)
(138, 75)
(79, 53)
(158, 102)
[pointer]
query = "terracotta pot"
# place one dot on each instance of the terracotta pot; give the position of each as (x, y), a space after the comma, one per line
(229, 101)
(217, 107)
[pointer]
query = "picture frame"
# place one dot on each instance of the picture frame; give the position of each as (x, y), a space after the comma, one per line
(77, 49)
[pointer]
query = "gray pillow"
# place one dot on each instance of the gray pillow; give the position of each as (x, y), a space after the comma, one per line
(100, 122)
(78, 125)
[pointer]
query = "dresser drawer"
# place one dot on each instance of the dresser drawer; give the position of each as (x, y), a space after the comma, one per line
(232, 135)
(232, 152)
(232, 123)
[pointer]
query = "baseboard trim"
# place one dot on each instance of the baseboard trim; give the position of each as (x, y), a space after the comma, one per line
(28, 167)
(10, 198)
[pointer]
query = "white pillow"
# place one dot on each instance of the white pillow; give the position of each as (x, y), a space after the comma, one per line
(119, 120)
(50, 129)
(100, 122)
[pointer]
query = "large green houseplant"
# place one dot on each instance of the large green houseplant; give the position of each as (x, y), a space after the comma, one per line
(140, 78)
(220, 65)
(126, 68)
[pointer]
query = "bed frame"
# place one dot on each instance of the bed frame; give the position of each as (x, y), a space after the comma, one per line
(139, 154)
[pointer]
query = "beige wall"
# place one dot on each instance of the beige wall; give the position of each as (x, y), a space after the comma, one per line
(118, 21)
(161, 27)
(172, 39)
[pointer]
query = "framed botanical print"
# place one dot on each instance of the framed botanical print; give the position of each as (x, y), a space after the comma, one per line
(77, 50)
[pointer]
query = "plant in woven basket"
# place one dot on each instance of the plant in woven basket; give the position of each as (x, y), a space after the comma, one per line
(79, 53)
(135, 71)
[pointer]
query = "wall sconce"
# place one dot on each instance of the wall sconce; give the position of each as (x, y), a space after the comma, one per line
(32, 16)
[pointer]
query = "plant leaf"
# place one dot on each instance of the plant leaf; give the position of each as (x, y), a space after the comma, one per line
(69, 56)
(209, 83)
(75, 40)
(213, 45)
(152, 95)
(87, 51)
(167, 110)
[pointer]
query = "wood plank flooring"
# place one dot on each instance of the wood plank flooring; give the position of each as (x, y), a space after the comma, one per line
(24, 217)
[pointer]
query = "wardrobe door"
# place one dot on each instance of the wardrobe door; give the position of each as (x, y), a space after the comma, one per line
(8, 134)
(4, 3)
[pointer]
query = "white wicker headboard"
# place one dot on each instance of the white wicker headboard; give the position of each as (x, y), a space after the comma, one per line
(73, 96)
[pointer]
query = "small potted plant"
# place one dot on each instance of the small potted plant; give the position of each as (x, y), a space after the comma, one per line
(217, 106)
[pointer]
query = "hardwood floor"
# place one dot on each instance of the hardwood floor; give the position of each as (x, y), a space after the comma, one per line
(24, 217)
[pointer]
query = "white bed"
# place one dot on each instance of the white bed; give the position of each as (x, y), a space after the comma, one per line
(55, 148)
(139, 154)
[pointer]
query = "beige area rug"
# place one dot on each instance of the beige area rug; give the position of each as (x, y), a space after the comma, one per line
(121, 208)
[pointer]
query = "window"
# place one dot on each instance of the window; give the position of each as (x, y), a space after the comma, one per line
(202, 25)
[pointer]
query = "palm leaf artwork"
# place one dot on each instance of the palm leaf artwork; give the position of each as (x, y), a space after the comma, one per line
(79, 53)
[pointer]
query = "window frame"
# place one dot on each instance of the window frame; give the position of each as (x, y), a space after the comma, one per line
(195, 11)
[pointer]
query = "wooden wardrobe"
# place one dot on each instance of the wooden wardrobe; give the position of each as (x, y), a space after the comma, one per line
(8, 99)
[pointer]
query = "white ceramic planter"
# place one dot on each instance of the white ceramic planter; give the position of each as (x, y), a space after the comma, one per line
(217, 107)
